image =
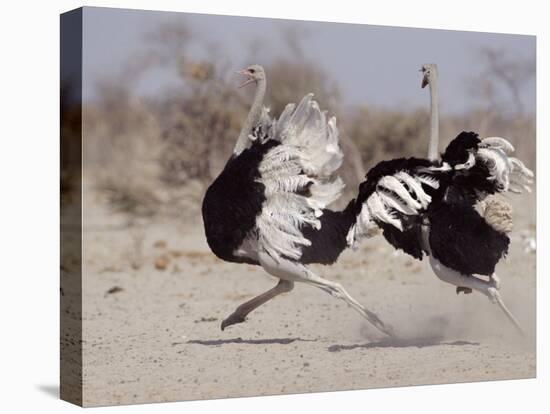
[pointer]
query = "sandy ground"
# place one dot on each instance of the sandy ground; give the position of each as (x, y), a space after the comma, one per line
(154, 298)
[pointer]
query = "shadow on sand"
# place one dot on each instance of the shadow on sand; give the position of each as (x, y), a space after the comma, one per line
(279, 341)
(400, 343)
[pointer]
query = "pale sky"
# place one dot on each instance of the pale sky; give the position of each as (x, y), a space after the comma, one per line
(375, 65)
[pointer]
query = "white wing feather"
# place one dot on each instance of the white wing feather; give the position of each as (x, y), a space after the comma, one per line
(509, 172)
(400, 193)
(307, 158)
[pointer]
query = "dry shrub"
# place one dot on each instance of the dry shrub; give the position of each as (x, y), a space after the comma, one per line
(71, 148)
(199, 129)
(121, 147)
(289, 80)
(385, 134)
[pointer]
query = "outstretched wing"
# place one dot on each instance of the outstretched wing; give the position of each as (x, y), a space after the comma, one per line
(394, 197)
(299, 177)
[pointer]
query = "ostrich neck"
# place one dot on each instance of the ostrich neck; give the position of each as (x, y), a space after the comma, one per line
(434, 129)
(253, 117)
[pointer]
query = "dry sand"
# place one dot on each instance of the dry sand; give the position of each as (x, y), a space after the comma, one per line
(154, 298)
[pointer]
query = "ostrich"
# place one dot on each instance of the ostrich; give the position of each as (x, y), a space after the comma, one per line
(428, 206)
(267, 206)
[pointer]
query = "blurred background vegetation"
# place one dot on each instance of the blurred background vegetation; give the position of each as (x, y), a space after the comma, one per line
(156, 155)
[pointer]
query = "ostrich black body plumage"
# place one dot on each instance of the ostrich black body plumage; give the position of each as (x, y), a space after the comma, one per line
(233, 201)
(460, 238)
(329, 241)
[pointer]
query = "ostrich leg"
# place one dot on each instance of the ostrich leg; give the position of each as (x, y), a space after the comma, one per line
(297, 272)
(338, 291)
(489, 289)
(243, 310)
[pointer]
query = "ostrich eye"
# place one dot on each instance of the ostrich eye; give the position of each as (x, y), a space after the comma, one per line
(252, 70)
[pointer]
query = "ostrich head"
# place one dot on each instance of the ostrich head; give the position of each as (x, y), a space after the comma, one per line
(430, 71)
(253, 73)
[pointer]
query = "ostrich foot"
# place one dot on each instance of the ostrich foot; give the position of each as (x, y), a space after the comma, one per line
(494, 296)
(239, 316)
(232, 319)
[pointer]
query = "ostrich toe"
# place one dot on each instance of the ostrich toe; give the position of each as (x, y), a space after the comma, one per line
(232, 319)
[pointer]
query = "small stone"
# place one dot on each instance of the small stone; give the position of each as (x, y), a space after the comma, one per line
(161, 262)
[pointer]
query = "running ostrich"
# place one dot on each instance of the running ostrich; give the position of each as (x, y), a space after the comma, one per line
(267, 206)
(430, 206)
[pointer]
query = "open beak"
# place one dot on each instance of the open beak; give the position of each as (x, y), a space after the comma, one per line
(249, 79)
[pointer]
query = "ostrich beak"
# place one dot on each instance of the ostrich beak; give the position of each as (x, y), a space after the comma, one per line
(250, 79)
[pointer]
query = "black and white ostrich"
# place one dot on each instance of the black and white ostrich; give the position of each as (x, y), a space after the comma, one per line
(432, 206)
(267, 206)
